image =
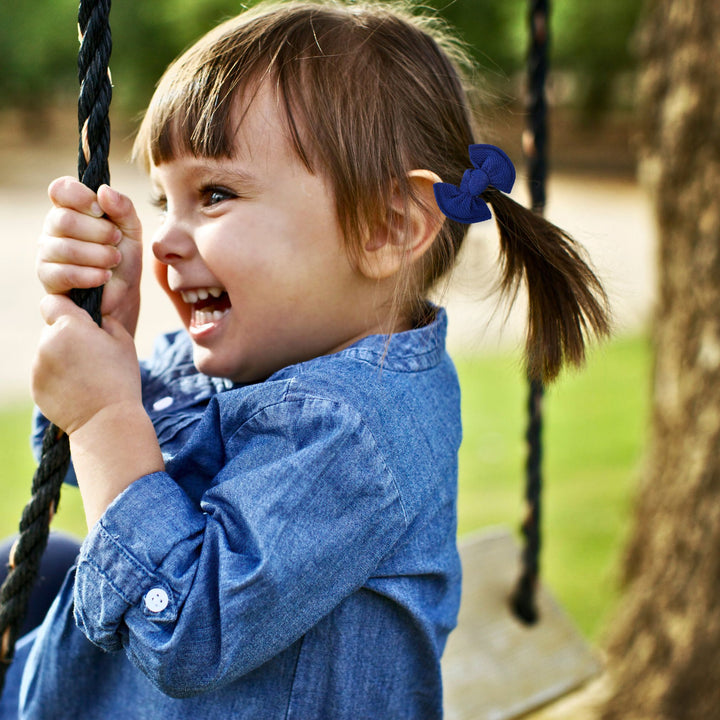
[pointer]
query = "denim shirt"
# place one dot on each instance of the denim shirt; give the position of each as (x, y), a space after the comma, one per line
(296, 559)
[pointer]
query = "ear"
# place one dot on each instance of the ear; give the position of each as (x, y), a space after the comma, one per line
(405, 239)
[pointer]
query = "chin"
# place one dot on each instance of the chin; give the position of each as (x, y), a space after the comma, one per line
(245, 370)
(215, 367)
(211, 366)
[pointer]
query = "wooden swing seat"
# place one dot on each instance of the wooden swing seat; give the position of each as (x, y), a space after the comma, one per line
(495, 667)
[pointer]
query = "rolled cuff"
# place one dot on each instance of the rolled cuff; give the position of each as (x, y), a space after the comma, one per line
(160, 527)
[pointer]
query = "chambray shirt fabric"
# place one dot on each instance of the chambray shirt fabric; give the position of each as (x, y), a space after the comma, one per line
(301, 542)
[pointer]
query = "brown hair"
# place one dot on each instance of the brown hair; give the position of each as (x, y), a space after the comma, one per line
(371, 91)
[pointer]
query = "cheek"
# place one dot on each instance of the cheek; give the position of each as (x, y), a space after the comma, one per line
(244, 259)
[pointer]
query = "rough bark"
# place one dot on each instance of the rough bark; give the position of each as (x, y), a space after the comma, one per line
(665, 645)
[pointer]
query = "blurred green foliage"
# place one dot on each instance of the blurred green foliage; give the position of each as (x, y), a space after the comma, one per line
(38, 44)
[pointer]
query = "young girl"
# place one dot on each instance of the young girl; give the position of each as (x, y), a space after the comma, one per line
(271, 498)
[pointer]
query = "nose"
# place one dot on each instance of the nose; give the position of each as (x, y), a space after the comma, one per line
(172, 242)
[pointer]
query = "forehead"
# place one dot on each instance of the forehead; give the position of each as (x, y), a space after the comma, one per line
(258, 123)
(257, 137)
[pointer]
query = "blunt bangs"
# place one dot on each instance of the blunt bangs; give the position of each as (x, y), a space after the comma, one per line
(191, 111)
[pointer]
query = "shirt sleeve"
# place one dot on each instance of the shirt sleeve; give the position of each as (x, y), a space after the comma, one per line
(297, 518)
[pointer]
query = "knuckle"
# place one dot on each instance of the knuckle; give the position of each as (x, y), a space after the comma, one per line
(43, 272)
(110, 233)
(75, 277)
(65, 222)
(52, 219)
(42, 250)
(59, 184)
(50, 279)
(70, 252)
(63, 188)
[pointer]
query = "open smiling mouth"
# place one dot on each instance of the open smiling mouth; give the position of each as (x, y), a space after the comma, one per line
(208, 305)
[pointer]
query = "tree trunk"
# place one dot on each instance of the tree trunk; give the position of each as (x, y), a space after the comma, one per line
(665, 643)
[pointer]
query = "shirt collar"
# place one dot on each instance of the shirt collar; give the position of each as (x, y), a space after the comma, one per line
(410, 351)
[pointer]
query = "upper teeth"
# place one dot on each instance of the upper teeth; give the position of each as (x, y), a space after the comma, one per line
(192, 296)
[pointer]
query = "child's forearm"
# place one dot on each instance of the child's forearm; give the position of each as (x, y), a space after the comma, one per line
(110, 452)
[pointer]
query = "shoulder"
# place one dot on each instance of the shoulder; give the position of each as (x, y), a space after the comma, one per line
(398, 384)
(393, 373)
(398, 398)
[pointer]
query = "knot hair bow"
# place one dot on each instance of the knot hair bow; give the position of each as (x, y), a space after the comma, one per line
(464, 204)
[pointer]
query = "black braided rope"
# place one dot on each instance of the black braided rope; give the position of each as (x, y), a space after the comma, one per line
(524, 600)
(537, 70)
(93, 108)
(94, 126)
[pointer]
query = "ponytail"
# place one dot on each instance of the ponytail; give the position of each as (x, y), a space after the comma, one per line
(566, 302)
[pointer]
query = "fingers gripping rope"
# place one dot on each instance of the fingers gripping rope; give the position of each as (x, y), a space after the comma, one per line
(94, 127)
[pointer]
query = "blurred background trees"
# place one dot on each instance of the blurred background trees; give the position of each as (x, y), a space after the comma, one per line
(591, 46)
(665, 642)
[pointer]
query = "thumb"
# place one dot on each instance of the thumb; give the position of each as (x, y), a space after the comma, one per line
(120, 209)
(54, 307)
(116, 329)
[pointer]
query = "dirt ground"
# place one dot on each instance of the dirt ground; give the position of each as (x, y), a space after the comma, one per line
(604, 210)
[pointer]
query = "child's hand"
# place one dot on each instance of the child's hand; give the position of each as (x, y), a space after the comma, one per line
(93, 239)
(81, 370)
(86, 380)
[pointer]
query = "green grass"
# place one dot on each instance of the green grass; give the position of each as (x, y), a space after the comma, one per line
(595, 426)
(594, 435)
(18, 466)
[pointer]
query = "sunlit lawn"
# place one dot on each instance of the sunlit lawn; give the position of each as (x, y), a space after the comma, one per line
(595, 427)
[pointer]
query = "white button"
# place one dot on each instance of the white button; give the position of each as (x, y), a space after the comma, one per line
(156, 600)
(163, 403)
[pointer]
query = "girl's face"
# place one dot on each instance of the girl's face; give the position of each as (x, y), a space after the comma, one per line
(251, 254)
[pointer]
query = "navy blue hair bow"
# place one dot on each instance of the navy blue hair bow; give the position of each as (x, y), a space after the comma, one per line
(464, 204)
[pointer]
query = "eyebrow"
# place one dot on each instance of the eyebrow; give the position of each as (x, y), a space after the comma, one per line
(216, 174)
(238, 175)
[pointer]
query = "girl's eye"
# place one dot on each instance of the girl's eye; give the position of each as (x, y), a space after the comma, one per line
(159, 202)
(215, 195)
